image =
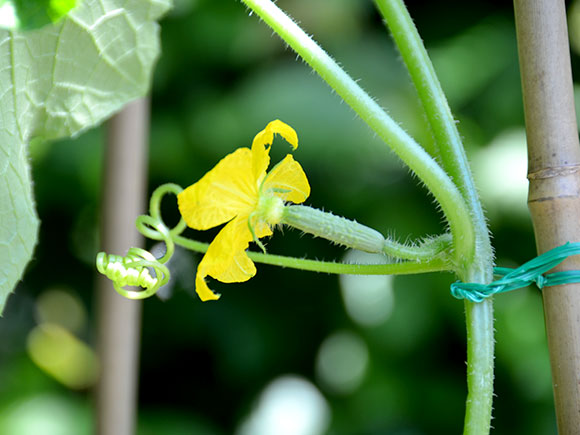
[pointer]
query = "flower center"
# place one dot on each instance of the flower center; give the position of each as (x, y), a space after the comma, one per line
(270, 209)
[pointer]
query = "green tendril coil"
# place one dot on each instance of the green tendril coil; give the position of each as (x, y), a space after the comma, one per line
(133, 270)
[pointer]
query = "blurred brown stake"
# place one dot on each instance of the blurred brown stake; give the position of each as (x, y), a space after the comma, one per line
(119, 319)
(554, 174)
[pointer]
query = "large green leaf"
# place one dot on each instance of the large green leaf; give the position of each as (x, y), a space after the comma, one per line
(55, 82)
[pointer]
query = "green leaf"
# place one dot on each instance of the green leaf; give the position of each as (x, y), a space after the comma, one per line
(56, 82)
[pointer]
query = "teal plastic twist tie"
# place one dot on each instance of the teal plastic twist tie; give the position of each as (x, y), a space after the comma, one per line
(528, 273)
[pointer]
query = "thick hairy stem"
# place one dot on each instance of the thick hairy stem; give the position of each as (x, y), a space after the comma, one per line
(478, 268)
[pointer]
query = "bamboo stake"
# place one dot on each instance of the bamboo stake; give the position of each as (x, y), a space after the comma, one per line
(554, 192)
(119, 319)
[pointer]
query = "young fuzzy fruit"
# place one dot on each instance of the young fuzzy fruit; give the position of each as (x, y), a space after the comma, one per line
(353, 235)
(334, 228)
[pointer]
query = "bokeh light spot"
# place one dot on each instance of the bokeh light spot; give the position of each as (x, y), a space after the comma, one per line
(368, 299)
(501, 173)
(45, 414)
(8, 17)
(61, 307)
(342, 362)
(62, 355)
(289, 405)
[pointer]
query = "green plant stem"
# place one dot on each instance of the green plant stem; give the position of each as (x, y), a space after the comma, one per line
(404, 268)
(479, 316)
(413, 52)
(480, 359)
(450, 148)
(420, 162)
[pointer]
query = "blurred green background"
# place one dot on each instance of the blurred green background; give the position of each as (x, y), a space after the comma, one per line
(325, 354)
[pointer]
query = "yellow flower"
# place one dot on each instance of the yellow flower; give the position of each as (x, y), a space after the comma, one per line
(240, 192)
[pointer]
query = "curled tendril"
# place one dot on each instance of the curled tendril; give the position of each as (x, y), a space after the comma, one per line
(134, 269)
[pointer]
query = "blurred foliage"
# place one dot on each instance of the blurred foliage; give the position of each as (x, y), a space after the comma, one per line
(206, 367)
(32, 14)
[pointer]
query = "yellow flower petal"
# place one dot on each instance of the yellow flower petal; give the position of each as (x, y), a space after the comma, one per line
(226, 259)
(261, 229)
(227, 191)
(289, 176)
(261, 150)
(220, 258)
(202, 289)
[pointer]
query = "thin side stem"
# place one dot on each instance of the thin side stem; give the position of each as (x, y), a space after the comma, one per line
(404, 268)
(420, 162)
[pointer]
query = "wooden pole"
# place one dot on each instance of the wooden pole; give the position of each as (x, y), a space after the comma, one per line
(119, 319)
(554, 192)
